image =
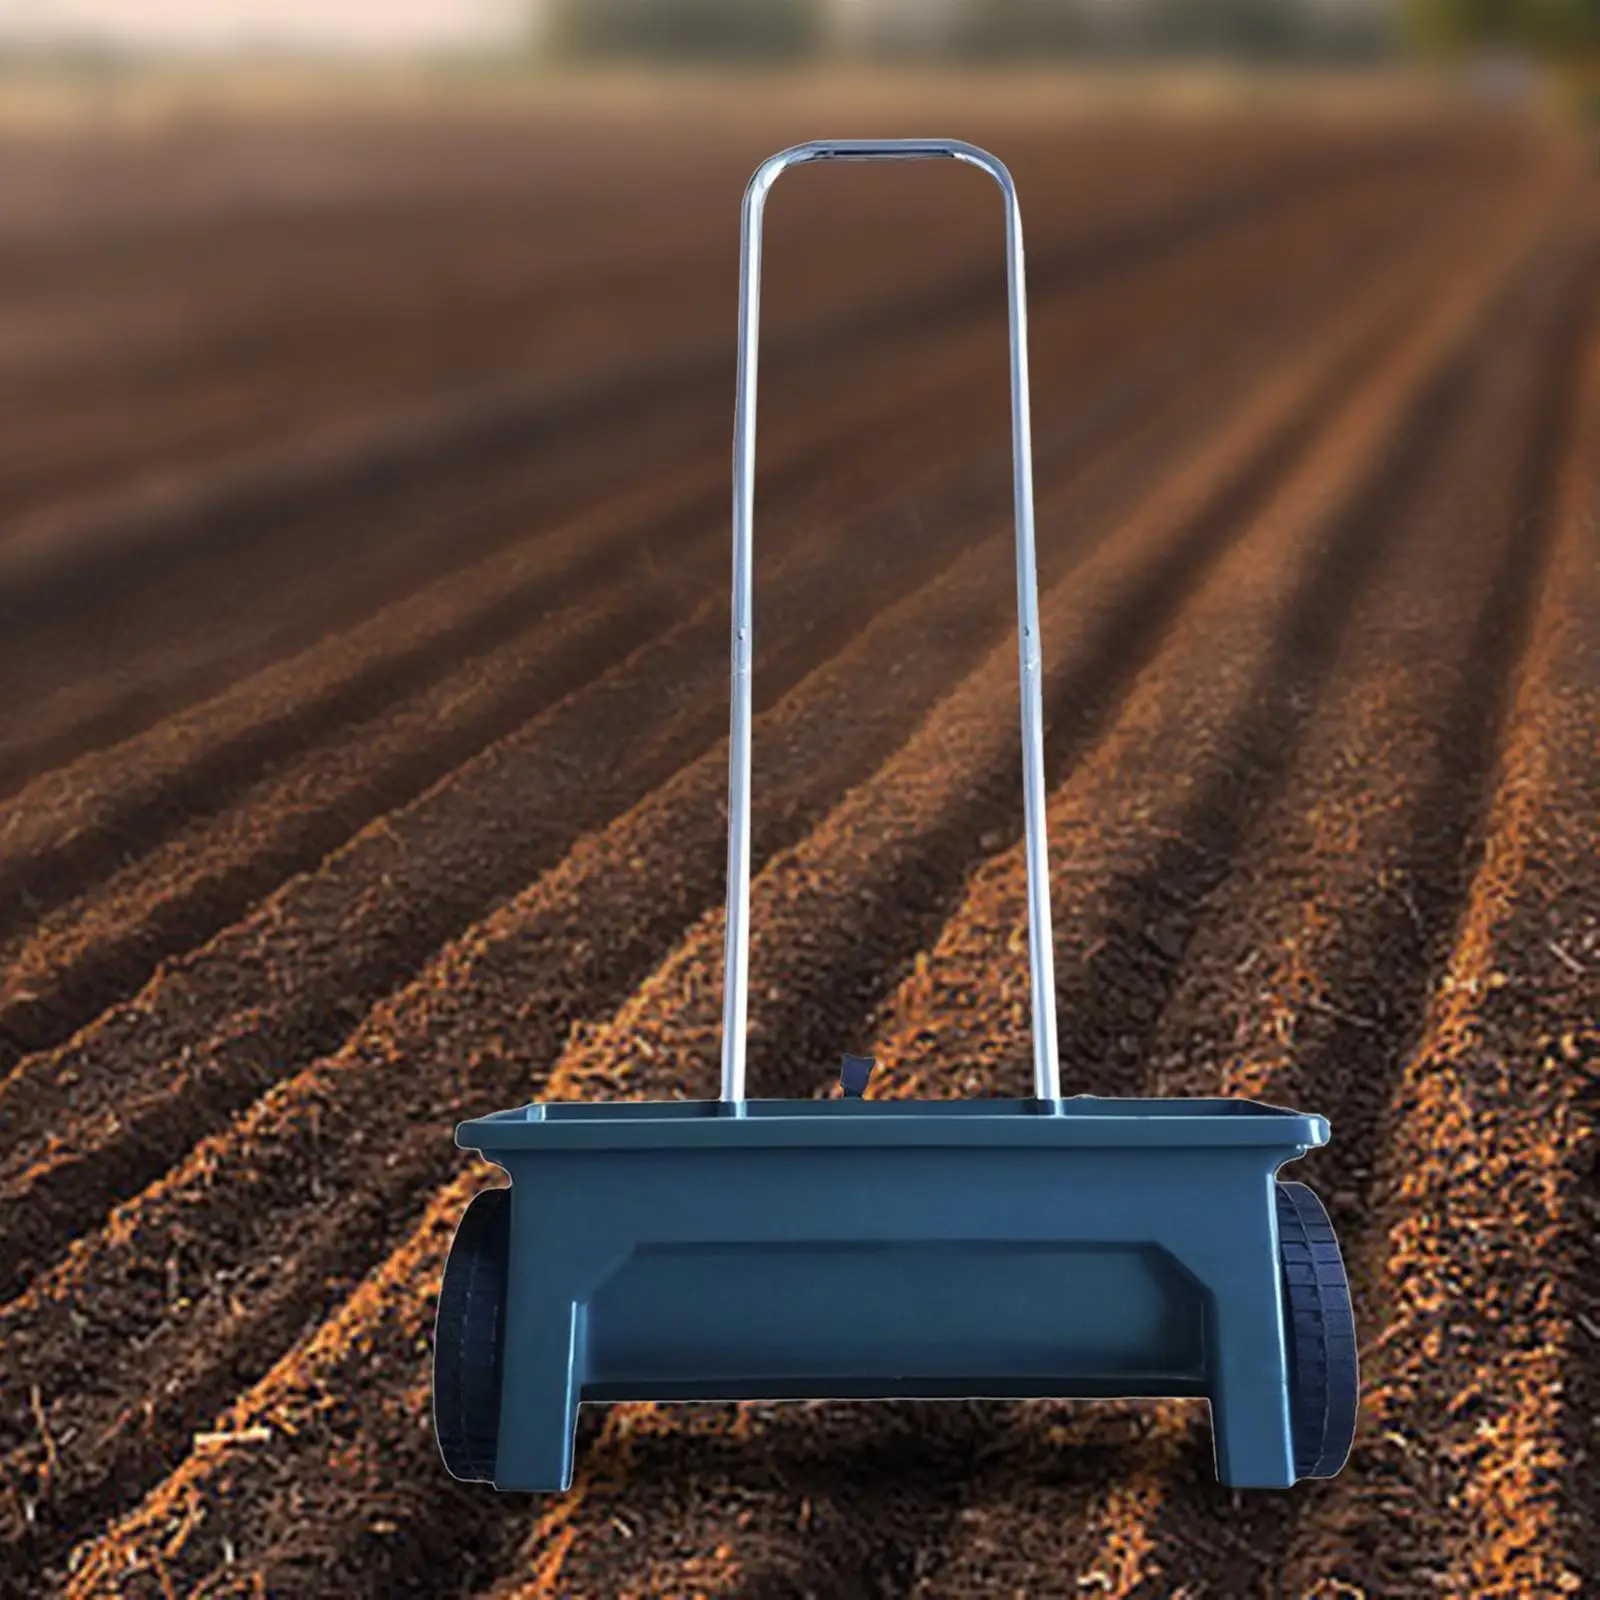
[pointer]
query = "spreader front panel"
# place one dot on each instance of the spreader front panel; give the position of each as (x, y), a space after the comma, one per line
(899, 1314)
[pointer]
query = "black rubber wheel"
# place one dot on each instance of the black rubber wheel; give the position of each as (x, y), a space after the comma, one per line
(469, 1339)
(1324, 1376)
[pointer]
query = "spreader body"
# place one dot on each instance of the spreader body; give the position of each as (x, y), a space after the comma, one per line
(858, 1248)
(862, 1249)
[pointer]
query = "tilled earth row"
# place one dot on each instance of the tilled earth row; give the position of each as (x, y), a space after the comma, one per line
(285, 891)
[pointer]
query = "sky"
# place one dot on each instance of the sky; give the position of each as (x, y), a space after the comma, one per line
(368, 27)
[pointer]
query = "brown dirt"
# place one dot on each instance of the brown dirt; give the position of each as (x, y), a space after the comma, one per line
(367, 773)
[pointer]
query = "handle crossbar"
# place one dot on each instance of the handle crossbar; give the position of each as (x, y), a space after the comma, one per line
(1041, 966)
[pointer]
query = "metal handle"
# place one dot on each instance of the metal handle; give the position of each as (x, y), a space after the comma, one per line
(1041, 964)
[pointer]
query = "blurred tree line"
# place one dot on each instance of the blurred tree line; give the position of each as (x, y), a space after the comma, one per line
(1251, 30)
(1311, 31)
(1565, 30)
(741, 30)
(992, 30)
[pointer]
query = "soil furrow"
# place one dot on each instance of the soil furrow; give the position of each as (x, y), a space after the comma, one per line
(215, 1028)
(298, 511)
(1489, 1163)
(150, 1121)
(36, 1087)
(815, 434)
(521, 299)
(82, 960)
(242, 380)
(1353, 958)
(502, 271)
(365, 769)
(1218, 714)
(647, 380)
(696, 495)
(1348, 891)
(576, 941)
(1184, 502)
(113, 673)
(75, 826)
(331, 347)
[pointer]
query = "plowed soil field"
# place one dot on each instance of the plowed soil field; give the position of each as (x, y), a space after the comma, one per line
(364, 497)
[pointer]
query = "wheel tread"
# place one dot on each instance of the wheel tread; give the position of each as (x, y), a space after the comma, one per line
(1319, 1323)
(468, 1339)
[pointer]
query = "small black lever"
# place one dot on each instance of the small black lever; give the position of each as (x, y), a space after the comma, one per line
(854, 1075)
